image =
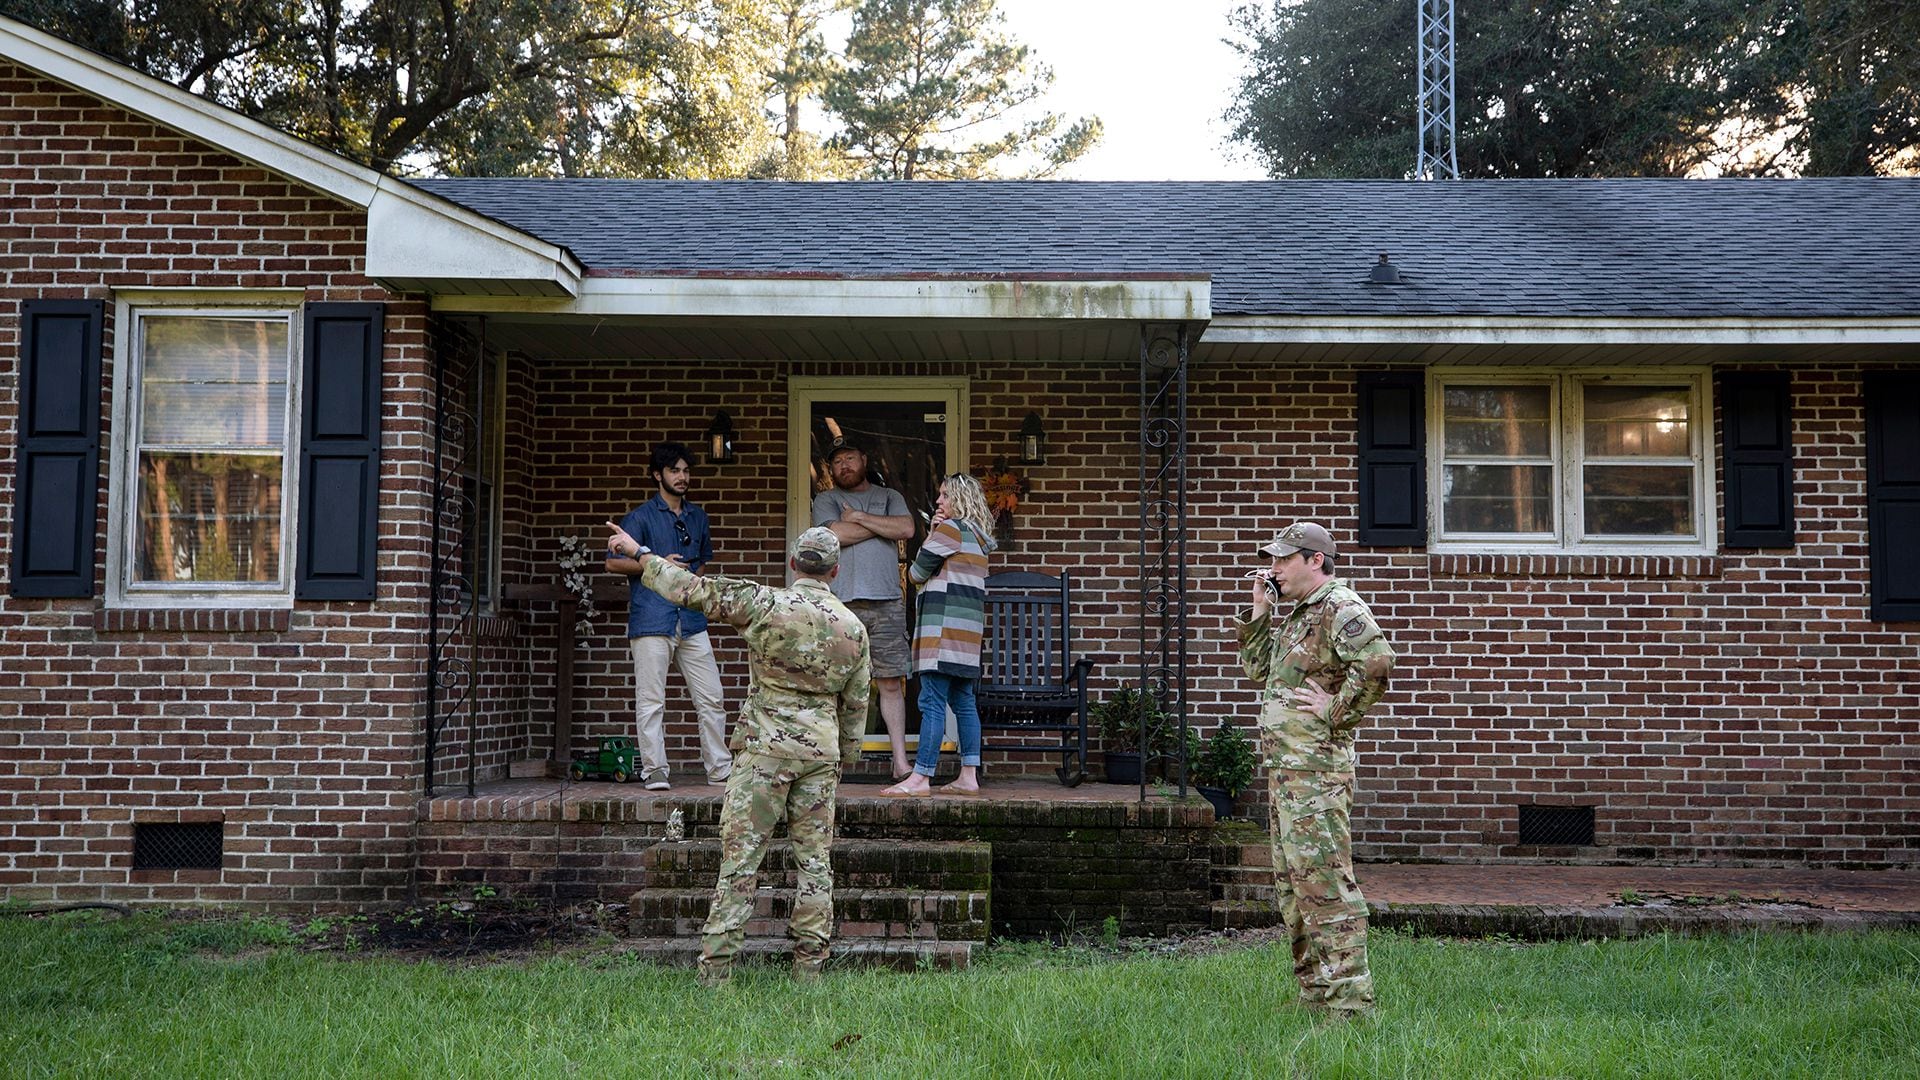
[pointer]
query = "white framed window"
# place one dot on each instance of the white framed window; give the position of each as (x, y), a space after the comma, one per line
(203, 485)
(1552, 461)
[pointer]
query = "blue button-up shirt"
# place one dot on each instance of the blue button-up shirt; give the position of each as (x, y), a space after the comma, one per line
(651, 523)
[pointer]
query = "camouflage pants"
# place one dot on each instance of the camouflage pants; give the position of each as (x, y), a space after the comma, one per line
(760, 792)
(1319, 901)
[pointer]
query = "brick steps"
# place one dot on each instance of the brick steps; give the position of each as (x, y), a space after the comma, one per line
(1243, 914)
(847, 953)
(904, 904)
(1241, 883)
(882, 914)
(927, 865)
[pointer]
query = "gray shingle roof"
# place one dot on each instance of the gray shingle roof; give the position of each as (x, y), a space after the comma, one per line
(1636, 248)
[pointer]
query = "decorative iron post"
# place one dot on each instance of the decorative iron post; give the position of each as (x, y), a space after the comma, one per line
(452, 642)
(1163, 542)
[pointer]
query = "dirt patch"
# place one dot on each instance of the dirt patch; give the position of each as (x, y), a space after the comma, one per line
(466, 930)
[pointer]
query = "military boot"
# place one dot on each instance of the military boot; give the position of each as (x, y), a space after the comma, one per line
(715, 974)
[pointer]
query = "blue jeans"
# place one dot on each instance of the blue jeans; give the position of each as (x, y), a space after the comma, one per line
(937, 691)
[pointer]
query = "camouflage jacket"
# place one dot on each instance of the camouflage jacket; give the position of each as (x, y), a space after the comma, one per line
(1331, 638)
(806, 653)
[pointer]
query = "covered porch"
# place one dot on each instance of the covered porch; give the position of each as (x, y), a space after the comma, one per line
(523, 680)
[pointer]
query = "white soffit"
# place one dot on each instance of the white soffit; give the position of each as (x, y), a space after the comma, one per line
(415, 240)
(1518, 330)
(1181, 298)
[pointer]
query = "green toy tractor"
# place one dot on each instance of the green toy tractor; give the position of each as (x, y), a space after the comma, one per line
(614, 759)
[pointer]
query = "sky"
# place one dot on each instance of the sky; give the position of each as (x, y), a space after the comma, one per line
(1157, 74)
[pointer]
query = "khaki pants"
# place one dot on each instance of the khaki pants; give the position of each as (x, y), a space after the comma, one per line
(694, 656)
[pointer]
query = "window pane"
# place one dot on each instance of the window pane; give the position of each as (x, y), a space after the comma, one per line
(208, 518)
(1638, 500)
(1637, 421)
(1497, 421)
(1498, 499)
(213, 381)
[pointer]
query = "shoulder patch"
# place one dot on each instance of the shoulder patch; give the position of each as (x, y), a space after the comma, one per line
(1355, 626)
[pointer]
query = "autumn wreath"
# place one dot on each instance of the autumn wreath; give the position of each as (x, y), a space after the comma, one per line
(1003, 488)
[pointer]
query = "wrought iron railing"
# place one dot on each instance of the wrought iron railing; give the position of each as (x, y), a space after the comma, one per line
(452, 643)
(1163, 547)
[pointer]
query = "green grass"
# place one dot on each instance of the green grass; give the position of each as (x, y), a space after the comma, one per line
(148, 997)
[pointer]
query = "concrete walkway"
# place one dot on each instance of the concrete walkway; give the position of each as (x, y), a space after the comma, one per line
(1535, 901)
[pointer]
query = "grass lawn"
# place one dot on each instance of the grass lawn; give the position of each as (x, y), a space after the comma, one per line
(87, 997)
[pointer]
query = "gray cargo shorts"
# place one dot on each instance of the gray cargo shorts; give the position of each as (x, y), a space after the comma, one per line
(886, 623)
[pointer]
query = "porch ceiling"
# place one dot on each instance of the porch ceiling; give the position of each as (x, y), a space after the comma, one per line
(826, 340)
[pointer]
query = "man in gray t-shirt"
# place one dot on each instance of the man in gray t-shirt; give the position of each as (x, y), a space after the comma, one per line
(870, 521)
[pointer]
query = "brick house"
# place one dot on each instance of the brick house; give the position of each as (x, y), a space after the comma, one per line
(1630, 471)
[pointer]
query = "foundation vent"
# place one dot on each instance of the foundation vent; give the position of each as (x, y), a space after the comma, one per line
(187, 845)
(1556, 826)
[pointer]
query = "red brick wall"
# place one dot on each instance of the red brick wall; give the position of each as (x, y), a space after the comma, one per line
(1733, 707)
(300, 731)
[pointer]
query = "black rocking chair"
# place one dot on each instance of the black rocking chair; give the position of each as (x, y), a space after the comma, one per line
(1030, 683)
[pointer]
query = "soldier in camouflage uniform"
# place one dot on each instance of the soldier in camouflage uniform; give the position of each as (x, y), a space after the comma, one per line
(805, 711)
(1324, 661)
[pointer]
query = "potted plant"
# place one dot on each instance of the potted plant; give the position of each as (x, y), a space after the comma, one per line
(1224, 767)
(1129, 720)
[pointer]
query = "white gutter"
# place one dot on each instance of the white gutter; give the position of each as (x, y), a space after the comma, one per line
(1527, 330)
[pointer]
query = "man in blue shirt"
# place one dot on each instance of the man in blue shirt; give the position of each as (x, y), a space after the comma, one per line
(658, 631)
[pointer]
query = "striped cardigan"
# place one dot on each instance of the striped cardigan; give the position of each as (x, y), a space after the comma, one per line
(951, 571)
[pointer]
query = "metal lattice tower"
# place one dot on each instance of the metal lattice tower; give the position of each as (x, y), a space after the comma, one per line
(1436, 160)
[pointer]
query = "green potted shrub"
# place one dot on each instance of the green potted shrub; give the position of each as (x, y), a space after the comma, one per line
(1224, 767)
(1129, 720)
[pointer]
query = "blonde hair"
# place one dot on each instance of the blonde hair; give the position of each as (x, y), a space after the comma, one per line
(969, 504)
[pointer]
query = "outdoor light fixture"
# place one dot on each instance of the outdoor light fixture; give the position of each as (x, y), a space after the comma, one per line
(1033, 441)
(1385, 273)
(720, 439)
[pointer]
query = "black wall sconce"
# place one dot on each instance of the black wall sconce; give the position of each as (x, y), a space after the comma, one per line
(720, 439)
(1033, 441)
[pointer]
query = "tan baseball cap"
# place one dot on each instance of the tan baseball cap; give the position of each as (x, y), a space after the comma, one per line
(1301, 536)
(817, 550)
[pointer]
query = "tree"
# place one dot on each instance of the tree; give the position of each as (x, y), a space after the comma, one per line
(930, 90)
(1587, 88)
(626, 87)
(799, 66)
(1859, 65)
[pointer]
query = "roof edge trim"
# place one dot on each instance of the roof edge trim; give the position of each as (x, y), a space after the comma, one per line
(1165, 299)
(1558, 330)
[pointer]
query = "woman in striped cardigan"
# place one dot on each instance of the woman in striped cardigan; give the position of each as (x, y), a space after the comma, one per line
(951, 573)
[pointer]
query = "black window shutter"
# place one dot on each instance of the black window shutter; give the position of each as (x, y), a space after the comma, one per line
(56, 482)
(1757, 425)
(1393, 458)
(1893, 494)
(339, 451)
